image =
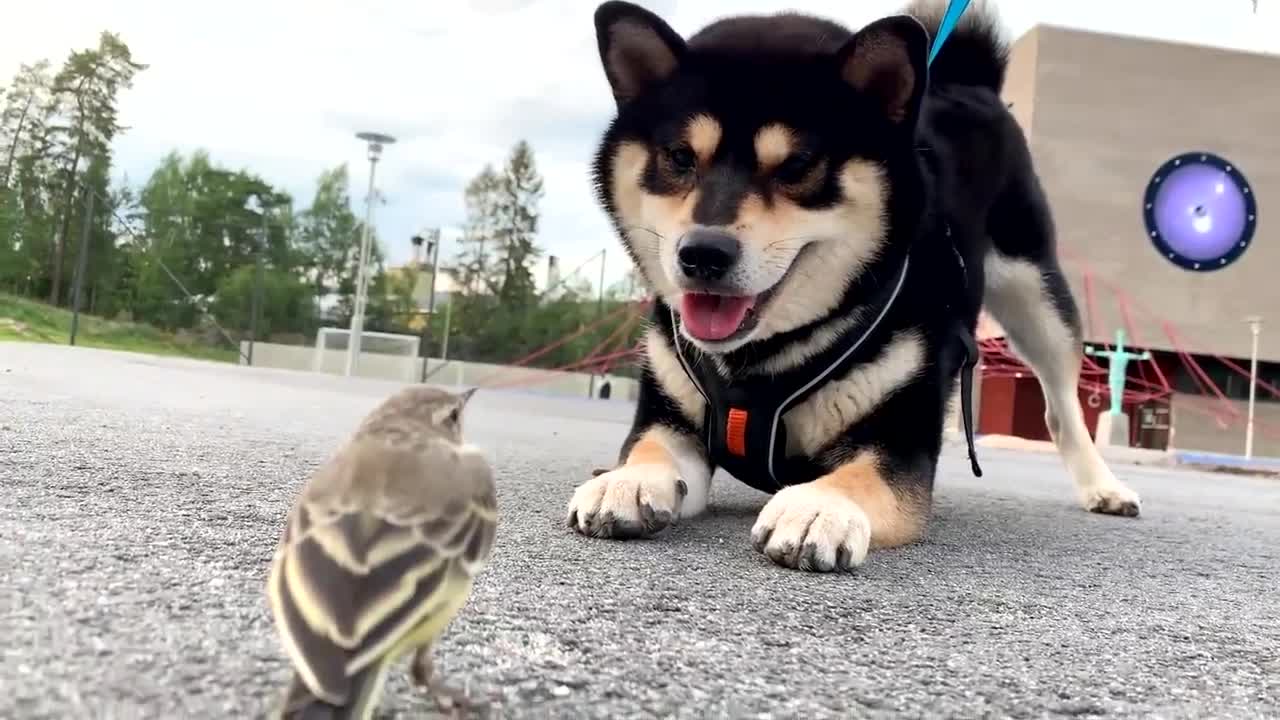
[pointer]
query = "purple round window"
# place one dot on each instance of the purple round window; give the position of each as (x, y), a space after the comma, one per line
(1200, 211)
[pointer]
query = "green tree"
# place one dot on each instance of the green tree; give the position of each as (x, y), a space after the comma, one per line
(202, 222)
(328, 232)
(471, 268)
(288, 303)
(107, 280)
(12, 260)
(26, 104)
(25, 178)
(85, 92)
(516, 225)
(329, 235)
(498, 244)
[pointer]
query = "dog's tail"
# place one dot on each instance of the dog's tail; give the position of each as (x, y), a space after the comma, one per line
(975, 53)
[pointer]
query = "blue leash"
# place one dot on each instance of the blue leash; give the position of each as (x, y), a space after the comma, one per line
(954, 10)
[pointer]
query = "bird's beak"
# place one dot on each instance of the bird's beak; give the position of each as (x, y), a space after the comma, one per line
(466, 395)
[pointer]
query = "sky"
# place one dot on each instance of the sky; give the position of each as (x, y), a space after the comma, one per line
(280, 87)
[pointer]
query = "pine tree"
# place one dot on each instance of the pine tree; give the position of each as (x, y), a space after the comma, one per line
(21, 114)
(27, 175)
(478, 242)
(84, 97)
(517, 215)
(498, 242)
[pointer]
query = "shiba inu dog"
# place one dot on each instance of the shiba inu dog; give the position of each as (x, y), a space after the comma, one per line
(821, 215)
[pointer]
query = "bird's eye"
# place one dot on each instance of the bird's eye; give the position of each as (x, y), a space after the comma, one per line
(453, 416)
(794, 169)
(682, 159)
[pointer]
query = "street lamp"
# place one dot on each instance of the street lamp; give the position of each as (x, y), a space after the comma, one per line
(82, 262)
(431, 239)
(376, 141)
(255, 305)
(82, 255)
(1255, 328)
(591, 387)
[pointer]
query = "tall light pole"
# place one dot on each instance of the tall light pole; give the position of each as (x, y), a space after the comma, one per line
(591, 387)
(82, 262)
(1255, 328)
(376, 141)
(432, 241)
(82, 257)
(255, 303)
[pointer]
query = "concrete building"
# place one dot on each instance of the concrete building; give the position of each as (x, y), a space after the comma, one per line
(1102, 114)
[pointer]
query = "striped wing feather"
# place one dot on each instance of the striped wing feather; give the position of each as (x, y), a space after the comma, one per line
(350, 583)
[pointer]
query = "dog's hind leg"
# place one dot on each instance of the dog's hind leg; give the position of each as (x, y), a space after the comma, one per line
(1026, 292)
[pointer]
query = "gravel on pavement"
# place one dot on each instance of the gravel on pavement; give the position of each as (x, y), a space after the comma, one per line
(141, 498)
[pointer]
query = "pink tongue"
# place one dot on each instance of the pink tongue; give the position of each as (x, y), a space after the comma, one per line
(713, 317)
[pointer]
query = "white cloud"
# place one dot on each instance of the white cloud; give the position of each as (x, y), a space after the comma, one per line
(281, 86)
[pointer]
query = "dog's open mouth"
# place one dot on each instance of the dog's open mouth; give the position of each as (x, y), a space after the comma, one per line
(716, 318)
(719, 317)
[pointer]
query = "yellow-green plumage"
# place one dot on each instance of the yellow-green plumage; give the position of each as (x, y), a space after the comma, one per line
(380, 552)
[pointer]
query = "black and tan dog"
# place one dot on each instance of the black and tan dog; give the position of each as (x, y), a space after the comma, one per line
(821, 215)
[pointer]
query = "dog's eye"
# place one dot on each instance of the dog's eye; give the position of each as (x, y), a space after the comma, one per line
(794, 169)
(682, 159)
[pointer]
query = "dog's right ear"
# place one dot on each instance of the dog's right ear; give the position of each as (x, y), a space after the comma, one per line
(637, 48)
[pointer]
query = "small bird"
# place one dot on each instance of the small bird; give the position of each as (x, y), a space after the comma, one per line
(379, 553)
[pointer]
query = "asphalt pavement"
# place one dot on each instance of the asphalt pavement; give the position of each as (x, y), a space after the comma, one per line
(141, 498)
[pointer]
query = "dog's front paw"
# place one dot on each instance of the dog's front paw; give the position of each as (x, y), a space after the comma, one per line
(809, 527)
(1111, 498)
(628, 502)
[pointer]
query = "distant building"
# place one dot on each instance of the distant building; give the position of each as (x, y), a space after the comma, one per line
(1102, 113)
(445, 286)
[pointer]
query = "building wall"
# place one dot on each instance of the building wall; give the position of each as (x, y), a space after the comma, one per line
(995, 415)
(1020, 80)
(1015, 406)
(1107, 112)
(1196, 428)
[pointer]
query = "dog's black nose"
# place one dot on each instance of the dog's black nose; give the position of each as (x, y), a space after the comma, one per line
(707, 254)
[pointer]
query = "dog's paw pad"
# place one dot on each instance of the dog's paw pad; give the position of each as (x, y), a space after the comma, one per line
(627, 502)
(808, 527)
(1113, 499)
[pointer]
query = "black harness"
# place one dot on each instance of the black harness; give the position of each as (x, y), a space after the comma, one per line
(745, 434)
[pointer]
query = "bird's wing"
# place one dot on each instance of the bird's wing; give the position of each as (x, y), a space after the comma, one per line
(353, 576)
(458, 530)
(468, 533)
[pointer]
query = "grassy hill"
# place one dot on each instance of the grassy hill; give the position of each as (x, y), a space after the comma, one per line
(27, 320)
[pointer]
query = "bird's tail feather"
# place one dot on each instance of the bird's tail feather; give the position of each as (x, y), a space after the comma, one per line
(365, 691)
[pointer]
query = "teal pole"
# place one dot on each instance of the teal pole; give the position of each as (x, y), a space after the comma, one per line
(1119, 362)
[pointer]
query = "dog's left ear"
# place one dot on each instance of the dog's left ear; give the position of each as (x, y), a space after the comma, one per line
(888, 62)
